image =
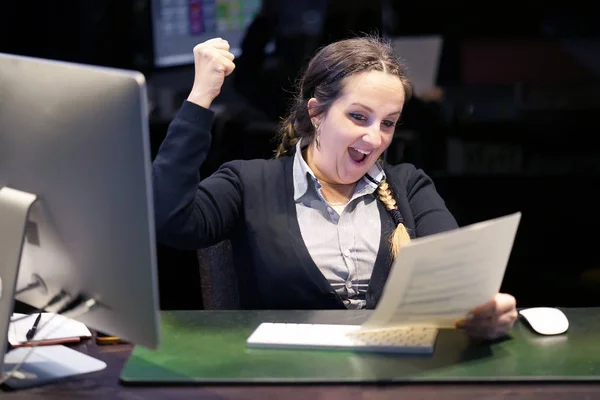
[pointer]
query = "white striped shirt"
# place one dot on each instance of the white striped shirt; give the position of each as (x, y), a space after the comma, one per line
(343, 241)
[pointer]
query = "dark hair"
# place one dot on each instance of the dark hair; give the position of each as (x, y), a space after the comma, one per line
(323, 80)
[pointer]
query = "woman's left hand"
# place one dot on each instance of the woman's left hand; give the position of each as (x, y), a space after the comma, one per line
(491, 320)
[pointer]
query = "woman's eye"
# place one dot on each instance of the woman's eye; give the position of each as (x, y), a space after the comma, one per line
(362, 118)
(358, 117)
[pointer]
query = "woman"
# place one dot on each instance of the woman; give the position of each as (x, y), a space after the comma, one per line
(316, 227)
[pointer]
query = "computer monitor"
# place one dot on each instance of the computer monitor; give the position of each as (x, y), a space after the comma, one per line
(76, 209)
(179, 25)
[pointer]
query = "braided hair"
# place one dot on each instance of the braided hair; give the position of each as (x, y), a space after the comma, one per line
(400, 235)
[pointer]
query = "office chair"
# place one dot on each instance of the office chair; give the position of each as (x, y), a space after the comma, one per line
(218, 278)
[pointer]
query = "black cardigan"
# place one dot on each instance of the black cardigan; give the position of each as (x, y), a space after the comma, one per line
(251, 203)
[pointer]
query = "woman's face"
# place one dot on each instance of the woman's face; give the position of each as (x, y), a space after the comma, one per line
(357, 128)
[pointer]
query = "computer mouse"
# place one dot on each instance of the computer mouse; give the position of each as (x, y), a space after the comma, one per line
(545, 320)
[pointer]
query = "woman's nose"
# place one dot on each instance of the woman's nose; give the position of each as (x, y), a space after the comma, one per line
(373, 136)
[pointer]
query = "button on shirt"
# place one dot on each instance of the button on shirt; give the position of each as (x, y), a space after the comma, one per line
(343, 240)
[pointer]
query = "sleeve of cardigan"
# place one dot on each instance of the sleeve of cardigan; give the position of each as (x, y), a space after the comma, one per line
(190, 213)
(429, 209)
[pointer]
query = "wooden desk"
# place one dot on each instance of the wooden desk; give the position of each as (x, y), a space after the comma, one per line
(105, 385)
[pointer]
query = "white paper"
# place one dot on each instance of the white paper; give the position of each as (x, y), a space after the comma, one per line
(49, 328)
(436, 280)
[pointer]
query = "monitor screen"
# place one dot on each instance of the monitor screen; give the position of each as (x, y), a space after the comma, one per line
(179, 25)
(76, 137)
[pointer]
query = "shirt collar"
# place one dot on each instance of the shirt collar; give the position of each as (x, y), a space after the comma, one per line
(303, 176)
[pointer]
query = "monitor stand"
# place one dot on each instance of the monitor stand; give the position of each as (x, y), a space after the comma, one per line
(47, 364)
(44, 364)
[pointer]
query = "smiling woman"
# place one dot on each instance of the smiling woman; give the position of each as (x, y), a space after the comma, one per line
(356, 129)
(316, 227)
(349, 100)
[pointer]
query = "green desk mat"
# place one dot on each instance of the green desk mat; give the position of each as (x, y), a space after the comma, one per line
(209, 347)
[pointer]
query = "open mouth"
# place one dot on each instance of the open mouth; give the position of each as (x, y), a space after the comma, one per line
(357, 155)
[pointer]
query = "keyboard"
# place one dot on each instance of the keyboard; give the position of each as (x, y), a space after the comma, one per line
(410, 339)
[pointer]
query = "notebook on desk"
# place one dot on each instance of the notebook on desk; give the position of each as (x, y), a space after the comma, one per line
(53, 329)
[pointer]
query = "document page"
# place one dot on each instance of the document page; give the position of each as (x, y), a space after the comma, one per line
(438, 279)
(53, 328)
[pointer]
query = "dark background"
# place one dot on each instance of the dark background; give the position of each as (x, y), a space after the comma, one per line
(515, 129)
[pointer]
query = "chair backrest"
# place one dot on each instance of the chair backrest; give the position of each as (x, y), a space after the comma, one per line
(218, 277)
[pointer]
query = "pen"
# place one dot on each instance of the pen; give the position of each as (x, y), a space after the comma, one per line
(50, 342)
(31, 333)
